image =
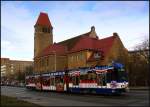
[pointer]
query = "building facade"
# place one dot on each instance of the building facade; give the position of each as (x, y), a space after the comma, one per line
(84, 50)
(5, 66)
(12, 67)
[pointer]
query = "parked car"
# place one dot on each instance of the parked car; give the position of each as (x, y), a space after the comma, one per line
(22, 84)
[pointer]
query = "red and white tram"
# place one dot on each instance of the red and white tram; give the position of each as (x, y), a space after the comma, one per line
(98, 80)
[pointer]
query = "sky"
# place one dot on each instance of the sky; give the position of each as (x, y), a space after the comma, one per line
(130, 19)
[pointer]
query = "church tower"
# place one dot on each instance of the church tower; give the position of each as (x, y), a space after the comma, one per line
(43, 34)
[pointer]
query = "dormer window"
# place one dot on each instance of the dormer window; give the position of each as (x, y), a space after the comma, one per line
(96, 55)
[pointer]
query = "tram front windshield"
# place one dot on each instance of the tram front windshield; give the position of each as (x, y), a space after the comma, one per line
(118, 75)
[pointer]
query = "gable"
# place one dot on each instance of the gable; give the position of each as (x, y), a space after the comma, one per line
(117, 51)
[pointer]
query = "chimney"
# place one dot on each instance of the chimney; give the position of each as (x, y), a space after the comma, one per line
(93, 33)
(115, 34)
(92, 29)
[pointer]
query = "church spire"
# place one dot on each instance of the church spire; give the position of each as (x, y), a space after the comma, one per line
(43, 20)
(43, 35)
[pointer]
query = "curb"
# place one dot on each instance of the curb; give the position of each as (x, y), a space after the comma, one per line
(139, 88)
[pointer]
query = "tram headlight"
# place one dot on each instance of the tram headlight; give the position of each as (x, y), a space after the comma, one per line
(125, 84)
(113, 91)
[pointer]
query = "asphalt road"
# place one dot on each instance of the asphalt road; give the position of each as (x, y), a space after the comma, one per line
(132, 98)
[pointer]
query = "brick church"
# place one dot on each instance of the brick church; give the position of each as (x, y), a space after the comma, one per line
(84, 50)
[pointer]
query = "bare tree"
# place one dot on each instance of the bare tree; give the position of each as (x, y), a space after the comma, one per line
(143, 49)
(29, 70)
(139, 67)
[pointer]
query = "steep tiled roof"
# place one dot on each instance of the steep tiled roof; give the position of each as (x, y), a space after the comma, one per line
(105, 44)
(92, 43)
(54, 49)
(72, 41)
(83, 43)
(43, 20)
(79, 43)
(61, 48)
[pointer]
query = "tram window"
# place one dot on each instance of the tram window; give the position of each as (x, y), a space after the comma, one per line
(59, 79)
(37, 79)
(122, 75)
(114, 75)
(75, 80)
(109, 76)
(31, 79)
(28, 80)
(81, 77)
(91, 76)
(46, 81)
(101, 79)
(84, 77)
(70, 79)
(52, 81)
(104, 79)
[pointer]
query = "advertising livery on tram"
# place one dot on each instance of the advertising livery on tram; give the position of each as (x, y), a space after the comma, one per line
(96, 80)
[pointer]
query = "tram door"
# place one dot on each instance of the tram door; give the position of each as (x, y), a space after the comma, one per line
(46, 83)
(101, 79)
(38, 82)
(66, 81)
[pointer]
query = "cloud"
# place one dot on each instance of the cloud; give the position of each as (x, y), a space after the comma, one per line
(6, 45)
(106, 20)
(17, 31)
(69, 19)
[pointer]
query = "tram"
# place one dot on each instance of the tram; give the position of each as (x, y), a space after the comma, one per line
(96, 80)
(30, 81)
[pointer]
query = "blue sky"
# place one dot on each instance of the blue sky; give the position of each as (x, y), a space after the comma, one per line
(130, 19)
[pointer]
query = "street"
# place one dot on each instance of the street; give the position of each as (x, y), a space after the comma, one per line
(132, 98)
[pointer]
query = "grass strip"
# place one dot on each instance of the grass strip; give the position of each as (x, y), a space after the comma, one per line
(11, 101)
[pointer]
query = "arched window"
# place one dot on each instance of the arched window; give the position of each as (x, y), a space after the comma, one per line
(48, 30)
(45, 29)
(47, 59)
